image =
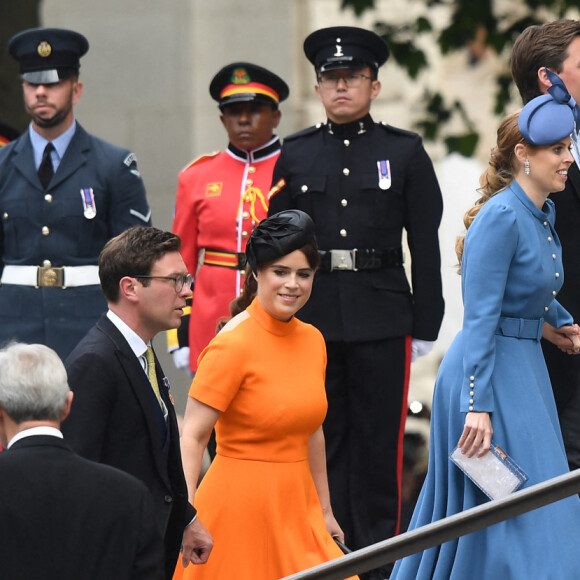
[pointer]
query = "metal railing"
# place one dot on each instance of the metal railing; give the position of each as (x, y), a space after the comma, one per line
(446, 529)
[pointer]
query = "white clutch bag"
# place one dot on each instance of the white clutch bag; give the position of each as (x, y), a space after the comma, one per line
(496, 474)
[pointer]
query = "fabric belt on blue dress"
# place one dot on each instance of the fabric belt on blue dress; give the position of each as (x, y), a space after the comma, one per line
(520, 328)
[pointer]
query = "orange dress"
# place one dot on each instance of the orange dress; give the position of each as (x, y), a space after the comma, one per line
(258, 498)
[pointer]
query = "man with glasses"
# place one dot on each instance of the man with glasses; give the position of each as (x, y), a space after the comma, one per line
(363, 183)
(123, 412)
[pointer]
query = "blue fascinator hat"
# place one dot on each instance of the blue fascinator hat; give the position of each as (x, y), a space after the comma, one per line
(549, 118)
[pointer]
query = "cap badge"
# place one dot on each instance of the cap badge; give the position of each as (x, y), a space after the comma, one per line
(44, 49)
(240, 77)
(338, 48)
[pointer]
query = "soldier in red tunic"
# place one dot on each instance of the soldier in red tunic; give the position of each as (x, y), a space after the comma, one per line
(222, 196)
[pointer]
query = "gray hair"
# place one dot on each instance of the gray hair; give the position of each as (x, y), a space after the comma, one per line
(33, 383)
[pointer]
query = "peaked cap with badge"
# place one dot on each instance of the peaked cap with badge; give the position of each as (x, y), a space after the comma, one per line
(345, 47)
(243, 82)
(48, 55)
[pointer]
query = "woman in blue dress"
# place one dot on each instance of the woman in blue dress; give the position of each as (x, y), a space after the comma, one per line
(493, 379)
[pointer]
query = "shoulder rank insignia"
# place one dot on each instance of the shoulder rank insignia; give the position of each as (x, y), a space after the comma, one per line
(276, 188)
(201, 158)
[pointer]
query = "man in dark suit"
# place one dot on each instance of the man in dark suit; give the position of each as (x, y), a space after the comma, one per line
(556, 46)
(363, 183)
(123, 413)
(63, 194)
(63, 517)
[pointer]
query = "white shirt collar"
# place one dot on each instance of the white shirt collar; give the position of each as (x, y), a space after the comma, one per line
(575, 151)
(134, 340)
(42, 430)
(136, 344)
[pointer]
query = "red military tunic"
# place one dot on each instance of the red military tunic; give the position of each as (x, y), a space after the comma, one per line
(220, 198)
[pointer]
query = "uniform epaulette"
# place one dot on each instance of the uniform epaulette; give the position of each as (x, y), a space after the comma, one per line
(200, 159)
(397, 130)
(304, 132)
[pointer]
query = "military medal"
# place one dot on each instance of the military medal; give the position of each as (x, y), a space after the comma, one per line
(384, 168)
(90, 207)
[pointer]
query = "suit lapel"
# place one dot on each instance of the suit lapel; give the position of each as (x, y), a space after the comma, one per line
(164, 390)
(574, 180)
(23, 160)
(138, 382)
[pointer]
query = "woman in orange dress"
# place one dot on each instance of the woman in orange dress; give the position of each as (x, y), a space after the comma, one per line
(260, 381)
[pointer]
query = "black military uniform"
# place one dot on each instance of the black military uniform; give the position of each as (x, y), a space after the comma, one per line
(51, 234)
(363, 183)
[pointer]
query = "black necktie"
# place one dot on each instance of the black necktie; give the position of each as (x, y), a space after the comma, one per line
(46, 170)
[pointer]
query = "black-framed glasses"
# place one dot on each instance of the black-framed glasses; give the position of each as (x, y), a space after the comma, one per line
(180, 280)
(351, 81)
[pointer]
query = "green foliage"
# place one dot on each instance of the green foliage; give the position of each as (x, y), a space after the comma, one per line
(359, 6)
(470, 20)
(467, 17)
(401, 42)
(438, 113)
(503, 94)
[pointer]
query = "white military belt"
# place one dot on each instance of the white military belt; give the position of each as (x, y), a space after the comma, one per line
(46, 276)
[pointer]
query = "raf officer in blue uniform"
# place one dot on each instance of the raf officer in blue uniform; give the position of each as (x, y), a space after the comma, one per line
(63, 194)
(363, 183)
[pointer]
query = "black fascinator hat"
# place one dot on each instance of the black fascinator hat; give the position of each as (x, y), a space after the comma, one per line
(279, 235)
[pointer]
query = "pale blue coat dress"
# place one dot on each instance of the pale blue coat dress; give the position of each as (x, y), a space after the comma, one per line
(511, 272)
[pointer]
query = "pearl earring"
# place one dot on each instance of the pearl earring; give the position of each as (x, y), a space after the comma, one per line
(527, 166)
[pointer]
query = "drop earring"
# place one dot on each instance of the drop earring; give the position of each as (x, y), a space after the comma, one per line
(527, 166)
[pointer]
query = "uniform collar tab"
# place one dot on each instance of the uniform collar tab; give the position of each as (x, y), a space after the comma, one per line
(352, 129)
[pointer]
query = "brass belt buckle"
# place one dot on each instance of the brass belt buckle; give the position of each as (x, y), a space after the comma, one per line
(343, 260)
(49, 276)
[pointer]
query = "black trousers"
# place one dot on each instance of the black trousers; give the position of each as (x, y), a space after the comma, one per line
(367, 386)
